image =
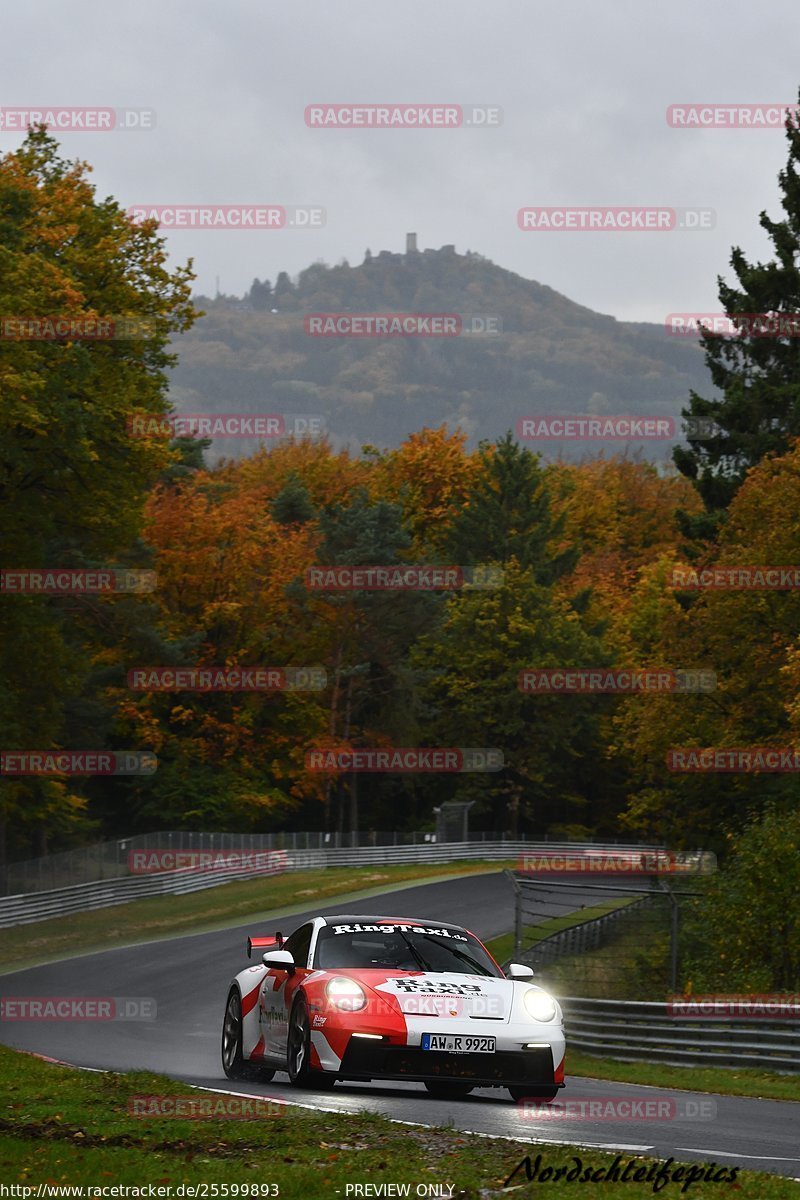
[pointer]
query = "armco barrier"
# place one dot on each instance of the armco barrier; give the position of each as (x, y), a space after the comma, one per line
(109, 859)
(26, 908)
(577, 939)
(638, 1030)
(83, 897)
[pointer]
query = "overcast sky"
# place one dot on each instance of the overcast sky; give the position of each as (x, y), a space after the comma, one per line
(584, 89)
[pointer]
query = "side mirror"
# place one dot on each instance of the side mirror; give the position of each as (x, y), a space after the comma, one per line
(517, 971)
(279, 960)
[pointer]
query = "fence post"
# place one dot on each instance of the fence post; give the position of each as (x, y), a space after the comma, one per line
(673, 936)
(673, 950)
(517, 913)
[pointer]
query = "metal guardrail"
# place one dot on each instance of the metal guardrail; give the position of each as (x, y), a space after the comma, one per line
(639, 1030)
(85, 897)
(26, 908)
(109, 859)
(629, 1031)
(592, 933)
(588, 935)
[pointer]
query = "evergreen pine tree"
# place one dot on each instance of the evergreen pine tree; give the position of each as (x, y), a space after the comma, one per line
(758, 376)
(508, 515)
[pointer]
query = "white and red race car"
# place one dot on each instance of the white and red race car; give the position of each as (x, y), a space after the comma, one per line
(362, 998)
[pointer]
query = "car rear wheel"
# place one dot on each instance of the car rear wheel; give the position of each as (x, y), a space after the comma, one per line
(298, 1052)
(448, 1091)
(543, 1095)
(233, 1061)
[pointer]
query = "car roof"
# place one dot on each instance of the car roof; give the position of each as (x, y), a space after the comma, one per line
(369, 919)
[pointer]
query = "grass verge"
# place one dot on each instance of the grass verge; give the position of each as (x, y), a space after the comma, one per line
(503, 947)
(735, 1082)
(89, 1134)
(727, 1082)
(213, 908)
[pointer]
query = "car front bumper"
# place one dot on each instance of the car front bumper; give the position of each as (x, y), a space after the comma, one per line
(523, 1055)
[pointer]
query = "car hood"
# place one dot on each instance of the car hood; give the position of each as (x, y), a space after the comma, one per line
(447, 994)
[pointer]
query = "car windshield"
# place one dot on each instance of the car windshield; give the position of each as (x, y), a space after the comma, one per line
(401, 948)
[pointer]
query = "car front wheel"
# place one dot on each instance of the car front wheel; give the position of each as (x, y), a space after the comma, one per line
(233, 1060)
(298, 1052)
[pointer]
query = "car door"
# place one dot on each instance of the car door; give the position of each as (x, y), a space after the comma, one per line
(277, 990)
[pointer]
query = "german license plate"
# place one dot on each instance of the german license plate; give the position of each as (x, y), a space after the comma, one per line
(458, 1043)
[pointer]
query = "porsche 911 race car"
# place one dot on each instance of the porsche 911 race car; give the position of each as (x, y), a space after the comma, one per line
(363, 998)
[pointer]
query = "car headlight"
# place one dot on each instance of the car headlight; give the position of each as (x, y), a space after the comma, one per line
(540, 1006)
(346, 994)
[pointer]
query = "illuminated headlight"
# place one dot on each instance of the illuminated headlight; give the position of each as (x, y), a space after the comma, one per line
(540, 1006)
(346, 994)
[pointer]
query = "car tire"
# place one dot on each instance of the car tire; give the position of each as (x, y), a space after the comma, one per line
(298, 1052)
(543, 1095)
(233, 1061)
(448, 1091)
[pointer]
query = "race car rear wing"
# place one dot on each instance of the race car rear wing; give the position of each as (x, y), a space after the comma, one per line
(264, 943)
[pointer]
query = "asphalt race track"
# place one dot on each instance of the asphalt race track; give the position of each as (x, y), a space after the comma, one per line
(189, 977)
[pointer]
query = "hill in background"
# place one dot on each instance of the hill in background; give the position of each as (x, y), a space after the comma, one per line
(551, 356)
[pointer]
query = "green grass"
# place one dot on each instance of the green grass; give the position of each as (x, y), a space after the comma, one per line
(727, 1082)
(220, 907)
(733, 1082)
(634, 966)
(262, 900)
(503, 947)
(67, 1127)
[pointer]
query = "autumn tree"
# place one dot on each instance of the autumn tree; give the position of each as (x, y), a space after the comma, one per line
(72, 478)
(471, 696)
(430, 475)
(370, 633)
(622, 517)
(747, 636)
(744, 934)
(225, 565)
